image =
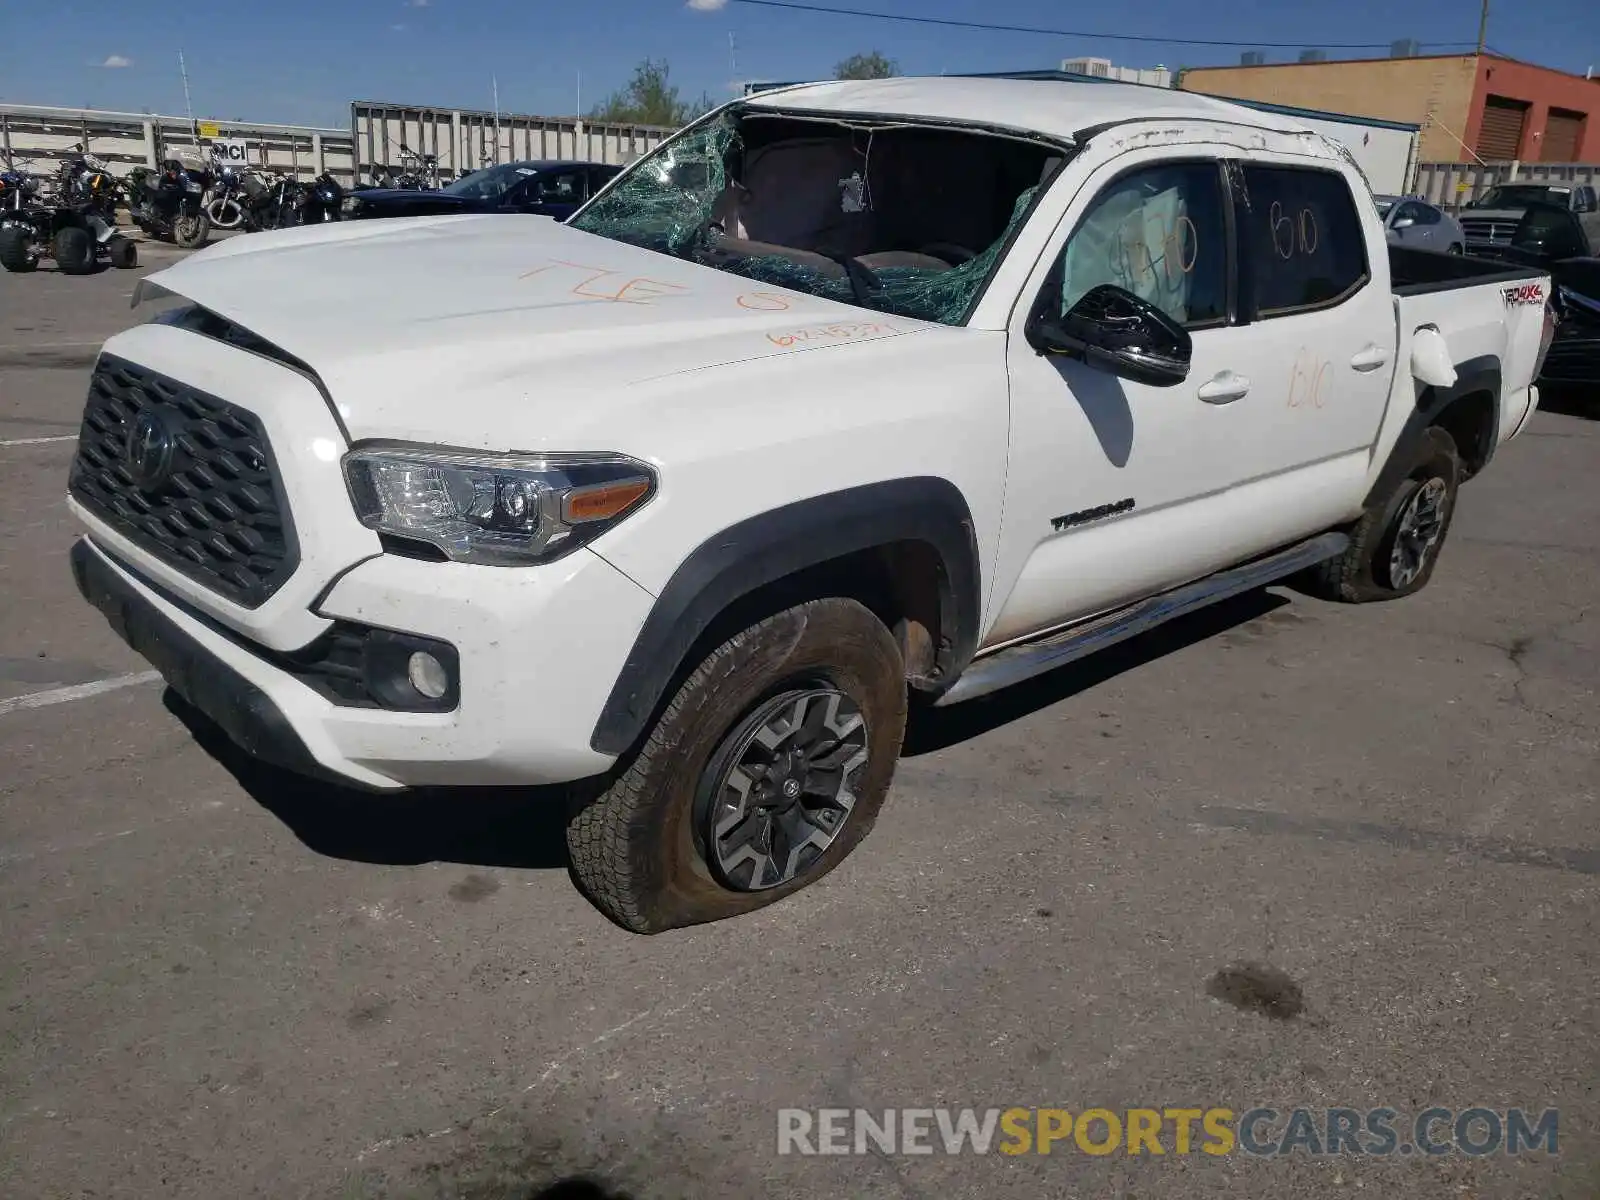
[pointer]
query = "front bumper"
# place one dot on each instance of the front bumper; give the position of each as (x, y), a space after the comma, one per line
(538, 652)
(241, 709)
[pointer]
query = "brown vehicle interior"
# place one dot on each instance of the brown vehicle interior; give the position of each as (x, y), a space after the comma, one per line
(915, 197)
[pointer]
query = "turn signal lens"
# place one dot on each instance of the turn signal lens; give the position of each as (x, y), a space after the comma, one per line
(603, 502)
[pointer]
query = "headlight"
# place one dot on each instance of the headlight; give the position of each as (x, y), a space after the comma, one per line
(494, 509)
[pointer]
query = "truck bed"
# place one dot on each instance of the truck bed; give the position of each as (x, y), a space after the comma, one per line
(1416, 272)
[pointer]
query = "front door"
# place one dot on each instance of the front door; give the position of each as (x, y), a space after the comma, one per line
(1118, 489)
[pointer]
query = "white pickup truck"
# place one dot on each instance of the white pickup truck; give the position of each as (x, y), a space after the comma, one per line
(848, 397)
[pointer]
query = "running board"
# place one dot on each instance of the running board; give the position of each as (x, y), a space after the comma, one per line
(1017, 663)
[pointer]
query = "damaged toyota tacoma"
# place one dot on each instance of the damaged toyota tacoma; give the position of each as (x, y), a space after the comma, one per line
(849, 397)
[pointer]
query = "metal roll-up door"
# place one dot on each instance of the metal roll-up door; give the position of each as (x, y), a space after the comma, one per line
(1563, 134)
(1500, 134)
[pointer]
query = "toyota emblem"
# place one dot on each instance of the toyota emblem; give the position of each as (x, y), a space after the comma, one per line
(150, 448)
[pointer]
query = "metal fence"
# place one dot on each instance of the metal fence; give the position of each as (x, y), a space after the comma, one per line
(38, 138)
(1450, 184)
(390, 136)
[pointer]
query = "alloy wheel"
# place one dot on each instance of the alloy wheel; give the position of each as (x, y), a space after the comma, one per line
(784, 788)
(1417, 533)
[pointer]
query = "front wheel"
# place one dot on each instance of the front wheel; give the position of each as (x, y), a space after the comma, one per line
(1395, 546)
(191, 230)
(765, 770)
(225, 213)
(123, 253)
(1456, 249)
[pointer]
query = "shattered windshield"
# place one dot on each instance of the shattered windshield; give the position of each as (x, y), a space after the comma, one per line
(907, 220)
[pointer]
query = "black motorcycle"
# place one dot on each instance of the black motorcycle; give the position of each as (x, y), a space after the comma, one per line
(320, 200)
(172, 206)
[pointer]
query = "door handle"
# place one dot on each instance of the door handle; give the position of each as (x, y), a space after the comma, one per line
(1224, 388)
(1370, 359)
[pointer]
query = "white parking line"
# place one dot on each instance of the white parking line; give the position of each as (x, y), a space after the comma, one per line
(51, 345)
(65, 437)
(79, 691)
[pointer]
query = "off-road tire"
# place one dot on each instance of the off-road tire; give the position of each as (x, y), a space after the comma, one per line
(200, 236)
(73, 250)
(1361, 574)
(634, 849)
(123, 253)
(14, 253)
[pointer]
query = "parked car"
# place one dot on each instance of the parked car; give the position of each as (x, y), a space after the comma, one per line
(680, 503)
(551, 189)
(1410, 221)
(1492, 218)
(1550, 238)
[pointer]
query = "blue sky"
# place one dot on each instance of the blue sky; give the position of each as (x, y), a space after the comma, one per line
(302, 61)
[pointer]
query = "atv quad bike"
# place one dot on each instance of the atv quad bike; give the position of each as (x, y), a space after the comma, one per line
(76, 240)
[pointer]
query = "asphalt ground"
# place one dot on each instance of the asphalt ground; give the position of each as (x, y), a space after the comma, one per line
(221, 981)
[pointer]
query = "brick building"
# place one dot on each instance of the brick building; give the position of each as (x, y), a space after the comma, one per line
(1470, 106)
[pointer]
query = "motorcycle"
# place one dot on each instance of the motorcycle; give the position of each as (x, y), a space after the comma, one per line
(172, 206)
(320, 201)
(224, 206)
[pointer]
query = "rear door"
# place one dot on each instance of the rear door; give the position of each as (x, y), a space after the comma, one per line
(1314, 287)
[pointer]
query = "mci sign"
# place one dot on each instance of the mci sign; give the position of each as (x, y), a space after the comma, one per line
(229, 152)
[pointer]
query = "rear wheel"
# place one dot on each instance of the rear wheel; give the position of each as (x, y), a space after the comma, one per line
(1457, 248)
(74, 250)
(765, 770)
(1396, 544)
(16, 250)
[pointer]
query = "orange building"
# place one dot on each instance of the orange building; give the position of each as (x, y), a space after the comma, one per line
(1470, 106)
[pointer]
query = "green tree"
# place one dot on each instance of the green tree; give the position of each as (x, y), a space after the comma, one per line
(649, 99)
(872, 65)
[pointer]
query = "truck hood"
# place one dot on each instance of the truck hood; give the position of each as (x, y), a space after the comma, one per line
(1491, 214)
(470, 330)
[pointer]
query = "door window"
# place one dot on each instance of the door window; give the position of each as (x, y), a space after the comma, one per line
(1303, 240)
(559, 187)
(1160, 233)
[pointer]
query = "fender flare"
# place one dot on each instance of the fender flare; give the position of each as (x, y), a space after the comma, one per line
(1481, 374)
(765, 548)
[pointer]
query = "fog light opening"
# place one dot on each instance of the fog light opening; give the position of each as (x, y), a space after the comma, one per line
(427, 675)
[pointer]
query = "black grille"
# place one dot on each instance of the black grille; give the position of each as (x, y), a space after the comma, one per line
(1495, 233)
(211, 505)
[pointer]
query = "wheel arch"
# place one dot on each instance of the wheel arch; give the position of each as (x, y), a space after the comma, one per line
(1468, 410)
(906, 548)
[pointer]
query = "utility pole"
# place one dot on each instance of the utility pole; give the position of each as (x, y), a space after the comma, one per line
(194, 127)
(1483, 27)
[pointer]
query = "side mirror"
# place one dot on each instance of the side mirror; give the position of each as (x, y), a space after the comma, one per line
(1115, 331)
(1403, 223)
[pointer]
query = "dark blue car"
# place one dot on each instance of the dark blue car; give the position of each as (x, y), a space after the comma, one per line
(547, 188)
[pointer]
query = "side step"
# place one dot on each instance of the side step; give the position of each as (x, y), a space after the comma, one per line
(1017, 663)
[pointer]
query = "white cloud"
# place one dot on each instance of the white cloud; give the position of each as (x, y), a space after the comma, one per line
(707, 5)
(117, 60)
(398, 28)
(418, 3)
